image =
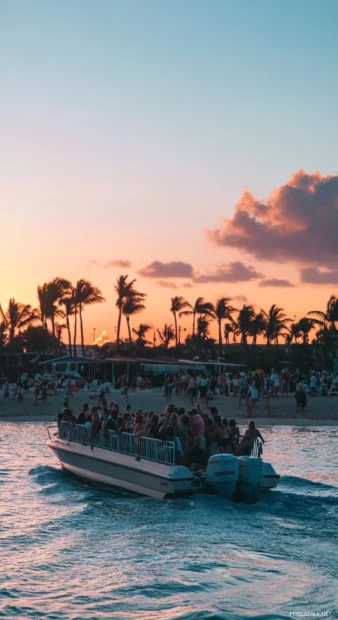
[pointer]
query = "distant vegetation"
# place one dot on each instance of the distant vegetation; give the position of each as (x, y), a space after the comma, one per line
(57, 323)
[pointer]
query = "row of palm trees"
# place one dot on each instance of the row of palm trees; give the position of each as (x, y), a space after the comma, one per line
(58, 300)
(273, 325)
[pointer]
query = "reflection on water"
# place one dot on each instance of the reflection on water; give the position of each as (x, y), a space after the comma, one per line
(72, 551)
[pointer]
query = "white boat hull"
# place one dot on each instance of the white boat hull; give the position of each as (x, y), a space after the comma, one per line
(123, 471)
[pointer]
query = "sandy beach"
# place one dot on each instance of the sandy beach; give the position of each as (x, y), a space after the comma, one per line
(321, 411)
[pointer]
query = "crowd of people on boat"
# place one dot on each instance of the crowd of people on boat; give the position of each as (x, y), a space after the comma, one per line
(196, 435)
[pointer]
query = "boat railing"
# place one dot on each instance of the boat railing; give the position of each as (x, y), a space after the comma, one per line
(125, 443)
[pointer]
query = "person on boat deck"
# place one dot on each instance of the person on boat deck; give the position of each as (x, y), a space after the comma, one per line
(108, 423)
(196, 427)
(128, 426)
(179, 455)
(217, 433)
(83, 414)
(170, 409)
(233, 432)
(67, 416)
(184, 436)
(153, 429)
(95, 424)
(247, 443)
(139, 425)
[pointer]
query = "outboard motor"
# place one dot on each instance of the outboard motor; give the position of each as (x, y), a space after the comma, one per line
(250, 479)
(270, 477)
(222, 474)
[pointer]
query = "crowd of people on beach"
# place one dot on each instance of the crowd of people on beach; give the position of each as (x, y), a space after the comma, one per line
(248, 387)
(195, 434)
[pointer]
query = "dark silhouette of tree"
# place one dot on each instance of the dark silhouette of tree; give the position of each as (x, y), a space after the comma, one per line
(276, 323)
(177, 305)
(167, 334)
(16, 317)
(133, 305)
(221, 312)
(123, 290)
(199, 308)
(85, 294)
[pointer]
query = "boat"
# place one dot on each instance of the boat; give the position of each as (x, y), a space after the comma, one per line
(148, 466)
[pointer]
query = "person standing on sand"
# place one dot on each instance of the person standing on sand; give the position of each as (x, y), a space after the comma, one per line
(36, 392)
(267, 400)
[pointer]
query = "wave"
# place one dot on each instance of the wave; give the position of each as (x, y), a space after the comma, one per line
(295, 481)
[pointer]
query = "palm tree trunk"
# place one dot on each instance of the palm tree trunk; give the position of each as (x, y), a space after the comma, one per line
(176, 333)
(220, 335)
(193, 323)
(129, 332)
(75, 330)
(118, 329)
(81, 330)
(52, 318)
(69, 335)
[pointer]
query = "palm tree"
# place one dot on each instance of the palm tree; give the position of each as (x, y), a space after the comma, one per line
(177, 304)
(166, 335)
(49, 296)
(244, 321)
(304, 326)
(2, 335)
(70, 309)
(258, 326)
(85, 294)
(276, 323)
(17, 316)
(202, 327)
(228, 329)
(141, 333)
(293, 333)
(123, 289)
(221, 312)
(133, 305)
(200, 307)
(329, 318)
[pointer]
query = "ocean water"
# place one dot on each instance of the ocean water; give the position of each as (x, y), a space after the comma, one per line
(71, 551)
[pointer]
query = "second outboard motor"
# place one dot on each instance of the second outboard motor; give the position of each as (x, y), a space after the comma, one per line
(250, 479)
(222, 474)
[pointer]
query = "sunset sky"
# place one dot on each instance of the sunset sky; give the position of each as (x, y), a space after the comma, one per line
(170, 134)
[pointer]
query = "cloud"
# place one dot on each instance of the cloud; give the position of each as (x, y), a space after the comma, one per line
(312, 275)
(276, 282)
(298, 222)
(175, 269)
(240, 298)
(187, 285)
(234, 272)
(93, 263)
(102, 339)
(122, 264)
(166, 284)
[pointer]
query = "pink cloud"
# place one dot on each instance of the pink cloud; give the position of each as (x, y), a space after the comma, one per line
(174, 269)
(234, 272)
(298, 222)
(166, 284)
(121, 264)
(241, 298)
(276, 282)
(312, 275)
